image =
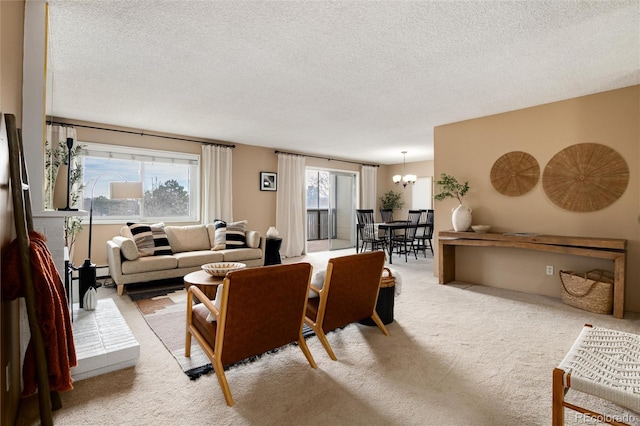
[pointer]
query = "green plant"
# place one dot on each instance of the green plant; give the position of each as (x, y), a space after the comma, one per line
(451, 188)
(54, 158)
(391, 200)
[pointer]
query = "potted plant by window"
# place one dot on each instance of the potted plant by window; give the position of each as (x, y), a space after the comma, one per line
(451, 188)
(391, 200)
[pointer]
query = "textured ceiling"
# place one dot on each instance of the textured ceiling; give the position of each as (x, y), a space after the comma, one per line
(359, 80)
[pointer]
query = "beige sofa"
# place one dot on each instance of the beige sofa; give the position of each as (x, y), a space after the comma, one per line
(191, 246)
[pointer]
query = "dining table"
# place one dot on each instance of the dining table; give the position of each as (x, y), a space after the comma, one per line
(391, 228)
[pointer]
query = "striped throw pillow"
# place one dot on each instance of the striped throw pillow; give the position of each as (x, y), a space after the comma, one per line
(236, 232)
(220, 235)
(143, 237)
(150, 239)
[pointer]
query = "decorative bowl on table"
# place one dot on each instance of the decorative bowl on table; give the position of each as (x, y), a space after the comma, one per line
(481, 229)
(220, 269)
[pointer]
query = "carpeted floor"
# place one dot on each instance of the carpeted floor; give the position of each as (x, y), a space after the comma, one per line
(457, 355)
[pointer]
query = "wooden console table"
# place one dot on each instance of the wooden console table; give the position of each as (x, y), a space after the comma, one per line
(601, 248)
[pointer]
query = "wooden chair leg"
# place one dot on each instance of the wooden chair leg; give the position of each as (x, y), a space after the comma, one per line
(557, 401)
(305, 350)
(325, 342)
(376, 318)
(222, 379)
(187, 344)
(187, 339)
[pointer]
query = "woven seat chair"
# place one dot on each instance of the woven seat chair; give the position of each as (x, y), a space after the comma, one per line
(260, 309)
(602, 363)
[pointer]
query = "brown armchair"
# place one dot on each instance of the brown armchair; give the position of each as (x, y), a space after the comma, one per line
(260, 309)
(349, 294)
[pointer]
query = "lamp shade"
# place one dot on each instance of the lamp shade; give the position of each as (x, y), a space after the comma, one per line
(125, 190)
(397, 178)
(410, 179)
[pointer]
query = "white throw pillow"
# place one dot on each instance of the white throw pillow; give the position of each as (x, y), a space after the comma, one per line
(253, 239)
(318, 281)
(216, 303)
(128, 247)
(187, 238)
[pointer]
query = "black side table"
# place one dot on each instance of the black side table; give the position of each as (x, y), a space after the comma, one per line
(272, 251)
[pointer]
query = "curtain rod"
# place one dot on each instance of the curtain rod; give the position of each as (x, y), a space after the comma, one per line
(327, 158)
(140, 133)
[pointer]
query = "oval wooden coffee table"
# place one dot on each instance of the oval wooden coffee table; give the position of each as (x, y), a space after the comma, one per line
(204, 281)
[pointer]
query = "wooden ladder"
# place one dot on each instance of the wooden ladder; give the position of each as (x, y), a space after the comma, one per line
(47, 400)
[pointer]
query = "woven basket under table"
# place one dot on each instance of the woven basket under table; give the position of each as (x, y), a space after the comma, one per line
(591, 291)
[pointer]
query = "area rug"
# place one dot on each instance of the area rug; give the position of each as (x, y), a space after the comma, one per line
(164, 310)
(147, 290)
(166, 316)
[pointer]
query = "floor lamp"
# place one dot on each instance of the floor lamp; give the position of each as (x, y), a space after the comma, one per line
(117, 191)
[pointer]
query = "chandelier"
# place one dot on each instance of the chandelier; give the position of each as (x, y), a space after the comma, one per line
(406, 179)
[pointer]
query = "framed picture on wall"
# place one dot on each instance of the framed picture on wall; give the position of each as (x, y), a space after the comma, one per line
(268, 181)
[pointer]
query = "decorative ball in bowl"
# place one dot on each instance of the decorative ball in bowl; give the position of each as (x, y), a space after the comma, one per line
(220, 269)
(481, 229)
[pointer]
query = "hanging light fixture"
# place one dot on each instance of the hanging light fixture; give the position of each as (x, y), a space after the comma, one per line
(406, 179)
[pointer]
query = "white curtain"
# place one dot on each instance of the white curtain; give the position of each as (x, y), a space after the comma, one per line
(290, 204)
(217, 197)
(369, 176)
(56, 155)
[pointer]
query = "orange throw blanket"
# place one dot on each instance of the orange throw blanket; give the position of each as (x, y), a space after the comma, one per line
(52, 311)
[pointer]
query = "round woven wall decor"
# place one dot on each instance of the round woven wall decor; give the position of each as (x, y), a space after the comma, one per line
(515, 173)
(585, 177)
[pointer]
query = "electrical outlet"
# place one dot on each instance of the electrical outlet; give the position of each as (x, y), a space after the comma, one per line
(549, 270)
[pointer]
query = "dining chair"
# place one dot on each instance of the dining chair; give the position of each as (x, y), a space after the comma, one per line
(368, 231)
(406, 242)
(424, 233)
(387, 217)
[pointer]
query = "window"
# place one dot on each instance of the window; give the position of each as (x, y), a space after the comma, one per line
(317, 189)
(170, 183)
(317, 204)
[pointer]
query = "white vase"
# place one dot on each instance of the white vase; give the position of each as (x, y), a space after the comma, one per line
(90, 299)
(461, 218)
(272, 232)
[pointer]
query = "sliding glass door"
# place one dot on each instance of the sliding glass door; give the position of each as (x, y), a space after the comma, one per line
(331, 204)
(342, 208)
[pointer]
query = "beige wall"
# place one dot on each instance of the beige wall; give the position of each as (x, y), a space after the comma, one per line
(385, 182)
(468, 150)
(258, 207)
(11, 34)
